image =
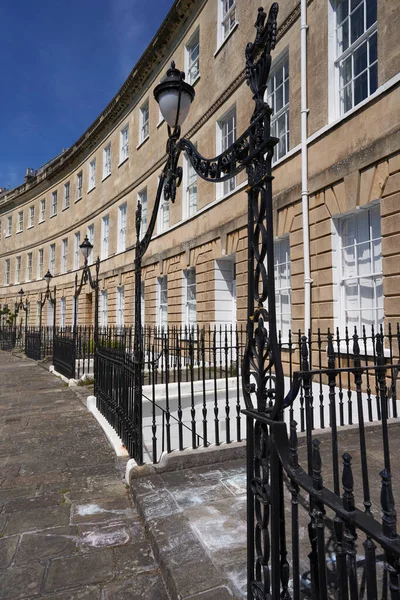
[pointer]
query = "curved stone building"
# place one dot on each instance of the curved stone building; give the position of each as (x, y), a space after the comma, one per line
(195, 268)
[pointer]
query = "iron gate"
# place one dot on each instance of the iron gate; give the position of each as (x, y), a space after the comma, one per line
(64, 352)
(8, 337)
(33, 341)
(320, 538)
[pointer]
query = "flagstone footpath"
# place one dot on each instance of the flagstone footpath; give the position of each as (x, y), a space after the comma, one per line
(68, 528)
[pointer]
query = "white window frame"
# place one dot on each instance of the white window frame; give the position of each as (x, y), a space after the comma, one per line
(92, 174)
(142, 197)
(107, 161)
(105, 231)
(20, 221)
(40, 264)
(63, 310)
(64, 257)
(224, 139)
(31, 221)
(67, 195)
(29, 265)
(190, 189)
(77, 250)
(79, 185)
(103, 308)
(337, 56)
(124, 144)
(90, 236)
(7, 271)
(162, 307)
(283, 288)
(163, 214)
(144, 122)
(122, 212)
(9, 226)
(192, 58)
(188, 286)
(227, 20)
(52, 259)
(341, 320)
(275, 87)
(18, 264)
(120, 307)
(54, 203)
(42, 213)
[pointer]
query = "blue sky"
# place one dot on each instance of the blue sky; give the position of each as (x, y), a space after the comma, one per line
(61, 62)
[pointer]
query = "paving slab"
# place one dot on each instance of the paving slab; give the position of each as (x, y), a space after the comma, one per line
(68, 527)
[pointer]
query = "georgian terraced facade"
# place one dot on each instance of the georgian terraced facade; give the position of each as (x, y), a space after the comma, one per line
(196, 265)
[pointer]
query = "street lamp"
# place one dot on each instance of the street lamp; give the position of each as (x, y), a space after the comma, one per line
(50, 296)
(87, 277)
(252, 151)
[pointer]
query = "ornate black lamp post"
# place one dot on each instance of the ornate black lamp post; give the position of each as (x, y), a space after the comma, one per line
(252, 151)
(86, 277)
(21, 305)
(48, 296)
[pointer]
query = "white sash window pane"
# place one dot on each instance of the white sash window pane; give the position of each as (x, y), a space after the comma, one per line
(52, 259)
(31, 216)
(54, 202)
(356, 54)
(7, 267)
(142, 197)
(227, 133)
(40, 263)
(92, 174)
(144, 122)
(17, 269)
(228, 19)
(104, 236)
(29, 266)
(107, 161)
(103, 308)
(20, 221)
(50, 313)
(64, 258)
(361, 299)
(190, 297)
(124, 144)
(9, 225)
(79, 184)
(122, 228)
(120, 316)
(192, 58)
(162, 301)
(62, 311)
(66, 194)
(90, 235)
(283, 286)
(77, 250)
(278, 99)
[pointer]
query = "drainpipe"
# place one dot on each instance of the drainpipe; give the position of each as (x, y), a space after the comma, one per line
(304, 166)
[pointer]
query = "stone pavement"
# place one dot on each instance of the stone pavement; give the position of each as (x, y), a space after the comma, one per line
(68, 529)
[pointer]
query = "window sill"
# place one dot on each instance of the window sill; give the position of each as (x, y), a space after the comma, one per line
(30, 227)
(123, 161)
(91, 189)
(368, 352)
(78, 199)
(52, 216)
(160, 123)
(222, 44)
(19, 231)
(65, 208)
(106, 176)
(8, 235)
(142, 142)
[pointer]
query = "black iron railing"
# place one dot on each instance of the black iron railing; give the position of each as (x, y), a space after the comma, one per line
(191, 383)
(319, 488)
